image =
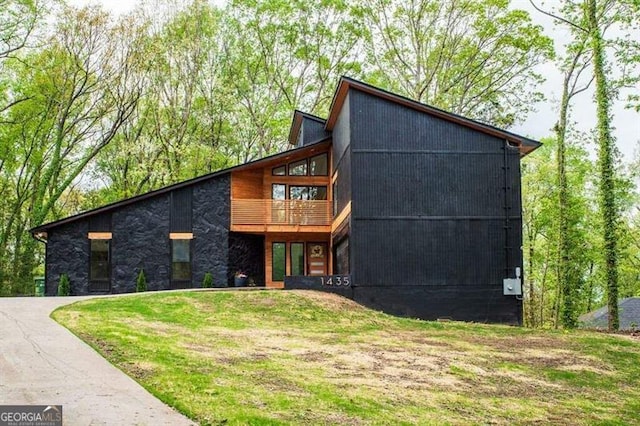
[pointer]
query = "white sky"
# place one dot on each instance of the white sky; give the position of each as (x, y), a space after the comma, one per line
(539, 124)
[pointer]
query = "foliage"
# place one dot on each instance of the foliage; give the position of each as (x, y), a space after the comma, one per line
(207, 281)
(474, 58)
(64, 287)
(141, 282)
(224, 357)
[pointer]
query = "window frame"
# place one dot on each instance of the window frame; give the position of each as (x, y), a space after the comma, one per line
(292, 263)
(297, 163)
(273, 258)
(190, 244)
(91, 261)
(273, 170)
(310, 159)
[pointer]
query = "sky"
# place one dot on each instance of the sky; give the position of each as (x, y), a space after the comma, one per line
(539, 124)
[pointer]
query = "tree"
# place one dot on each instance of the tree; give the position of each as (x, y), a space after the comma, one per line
(283, 56)
(576, 62)
(18, 19)
(78, 91)
(589, 21)
(474, 58)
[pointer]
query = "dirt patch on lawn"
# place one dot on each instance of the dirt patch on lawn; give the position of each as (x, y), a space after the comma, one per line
(329, 300)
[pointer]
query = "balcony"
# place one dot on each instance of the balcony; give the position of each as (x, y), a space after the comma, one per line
(281, 215)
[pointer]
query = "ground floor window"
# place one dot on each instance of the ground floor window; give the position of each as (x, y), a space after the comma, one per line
(297, 259)
(100, 260)
(181, 260)
(278, 261)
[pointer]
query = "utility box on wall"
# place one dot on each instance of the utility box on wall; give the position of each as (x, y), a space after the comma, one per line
(512, 287)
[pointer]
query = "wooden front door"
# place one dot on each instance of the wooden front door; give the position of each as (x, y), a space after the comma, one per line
(317, 258)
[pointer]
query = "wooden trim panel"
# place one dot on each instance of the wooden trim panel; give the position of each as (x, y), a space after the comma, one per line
(100, 235)
(341, 217)
(181, 236)
(281, 212)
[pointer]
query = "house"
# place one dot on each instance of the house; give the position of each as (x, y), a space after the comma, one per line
(398, 205)
(628, 314)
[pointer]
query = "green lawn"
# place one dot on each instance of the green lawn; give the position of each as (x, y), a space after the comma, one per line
(276, 357)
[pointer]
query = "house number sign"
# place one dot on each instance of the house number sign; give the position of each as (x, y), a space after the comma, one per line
(336, 280)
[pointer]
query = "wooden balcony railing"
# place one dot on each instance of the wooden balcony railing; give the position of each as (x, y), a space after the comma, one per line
(280, 212)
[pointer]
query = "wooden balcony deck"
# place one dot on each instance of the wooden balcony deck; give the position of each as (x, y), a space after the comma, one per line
(252, 215)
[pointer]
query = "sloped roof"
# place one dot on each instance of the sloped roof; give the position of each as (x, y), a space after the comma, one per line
(628, 311)
(525, 145)
(109, 207)
(298, 117)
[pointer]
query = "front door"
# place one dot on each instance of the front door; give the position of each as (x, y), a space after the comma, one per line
(317, 258)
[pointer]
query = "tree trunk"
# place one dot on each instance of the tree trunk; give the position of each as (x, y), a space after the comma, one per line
(606, 199)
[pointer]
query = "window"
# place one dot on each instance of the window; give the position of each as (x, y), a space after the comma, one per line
(317, 192)
(297, 258)
(318, 165)
(279, 208)
(278, 261)
(99, 260)
(279, 171)
(181, 260)
(299, 168)
(307, 192)
(278, 191)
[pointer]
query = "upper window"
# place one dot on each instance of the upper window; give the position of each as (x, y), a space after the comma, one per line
(181, 260)
(279, 171)
(100, 265)
(299, 168)
(307, 192)
(318, 165)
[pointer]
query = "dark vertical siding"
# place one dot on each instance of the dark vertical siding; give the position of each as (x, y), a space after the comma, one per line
(312, 131)
(341, 146)
(342, 157)
(341, 136)
(436, 219)
(100, 223)
(181, 209)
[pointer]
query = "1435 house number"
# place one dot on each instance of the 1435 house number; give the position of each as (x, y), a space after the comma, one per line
(336, 280)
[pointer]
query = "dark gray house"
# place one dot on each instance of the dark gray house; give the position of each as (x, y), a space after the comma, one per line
(401, 206)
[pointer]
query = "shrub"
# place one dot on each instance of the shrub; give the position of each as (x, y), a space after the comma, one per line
(207, 282)
(63, 285)
(141, 282)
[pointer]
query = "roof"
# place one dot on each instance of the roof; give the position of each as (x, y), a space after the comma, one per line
(628, 312)
(298, 118)
(109, 207)
(526, 145)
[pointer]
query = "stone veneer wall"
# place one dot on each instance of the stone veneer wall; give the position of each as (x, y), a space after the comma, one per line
(211, 222)
(68, 253)
(246, 254)
(141, 241)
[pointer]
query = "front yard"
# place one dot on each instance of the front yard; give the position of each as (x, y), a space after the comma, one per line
(276, 357)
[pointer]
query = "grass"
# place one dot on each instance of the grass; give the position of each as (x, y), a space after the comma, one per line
(276, 357)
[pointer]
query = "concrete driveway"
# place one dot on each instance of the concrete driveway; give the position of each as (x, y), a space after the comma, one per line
(42, 363)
